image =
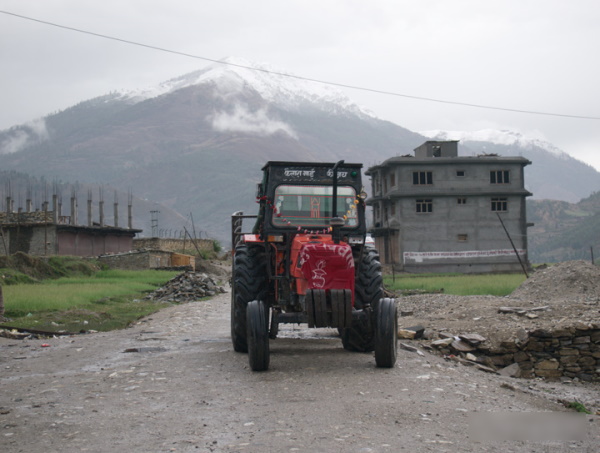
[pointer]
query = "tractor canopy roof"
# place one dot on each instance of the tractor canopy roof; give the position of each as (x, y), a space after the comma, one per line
(299, 195)
(312, 173)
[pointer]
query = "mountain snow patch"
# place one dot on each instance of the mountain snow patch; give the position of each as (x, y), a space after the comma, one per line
(243, 120)
(497, 137)
(234, 75)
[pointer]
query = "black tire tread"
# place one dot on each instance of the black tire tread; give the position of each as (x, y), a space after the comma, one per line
(386, 336)
(258, 335)
(249, 283)
(368, 290)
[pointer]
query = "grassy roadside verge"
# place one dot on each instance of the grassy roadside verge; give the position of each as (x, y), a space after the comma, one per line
(106, 300)
(457, 284)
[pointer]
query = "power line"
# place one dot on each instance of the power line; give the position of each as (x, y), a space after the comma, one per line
(324, 82)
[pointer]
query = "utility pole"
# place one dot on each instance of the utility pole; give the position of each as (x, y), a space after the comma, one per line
(513, 246)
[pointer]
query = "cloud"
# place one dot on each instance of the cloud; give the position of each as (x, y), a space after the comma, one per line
(19, 138)
(243, 120)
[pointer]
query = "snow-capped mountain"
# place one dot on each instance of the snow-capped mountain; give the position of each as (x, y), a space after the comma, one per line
(196, 143)
(233, 75)
(497, 137)
(228, 79)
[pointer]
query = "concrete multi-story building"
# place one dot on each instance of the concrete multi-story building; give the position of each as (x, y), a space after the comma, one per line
(438, 212)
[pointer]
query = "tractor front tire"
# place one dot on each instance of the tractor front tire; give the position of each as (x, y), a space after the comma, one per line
(249, 283)
(386, 333)
(368, 290)
(258, 335)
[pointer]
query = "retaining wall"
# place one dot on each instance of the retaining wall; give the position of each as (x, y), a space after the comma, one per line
(148, 259)
(566, 352)
(171, 244)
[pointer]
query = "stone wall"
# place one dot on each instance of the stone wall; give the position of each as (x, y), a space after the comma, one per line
(148, 259)
(42, 241)
(566, 352)
(128, 261)
(205, 245)
(26, 217)
(572, 352)
(39, 240)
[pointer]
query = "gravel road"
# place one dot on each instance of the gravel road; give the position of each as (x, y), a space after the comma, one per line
(173, 383)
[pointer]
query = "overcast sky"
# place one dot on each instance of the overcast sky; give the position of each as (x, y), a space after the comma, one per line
(535, 55)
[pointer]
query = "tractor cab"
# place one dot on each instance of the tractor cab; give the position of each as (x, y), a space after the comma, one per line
(304, 198)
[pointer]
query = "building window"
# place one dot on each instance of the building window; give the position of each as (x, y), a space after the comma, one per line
(392, 179)
(393, 208)
(499, 177)
(437, 150)
(499, 204)
(461, 200)
(462, 237)
(460, 173)
(422, 178)
(424, 205)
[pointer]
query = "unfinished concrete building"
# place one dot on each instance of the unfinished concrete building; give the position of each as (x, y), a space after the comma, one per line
(46, 231)
(438, 212)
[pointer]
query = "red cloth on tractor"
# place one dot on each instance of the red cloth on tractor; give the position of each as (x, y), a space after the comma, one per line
(328, 266)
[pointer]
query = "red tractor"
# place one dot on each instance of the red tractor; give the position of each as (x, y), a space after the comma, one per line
(306, 262)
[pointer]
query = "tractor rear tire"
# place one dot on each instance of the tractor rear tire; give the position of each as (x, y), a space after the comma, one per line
(368, 290)
(359, 337)
(249, 283)
(386, 333)
(258, 335)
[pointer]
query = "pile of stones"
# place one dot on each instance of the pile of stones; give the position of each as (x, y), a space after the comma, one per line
(187, 287)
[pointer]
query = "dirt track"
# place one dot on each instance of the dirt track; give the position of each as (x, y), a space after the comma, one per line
(182, 388)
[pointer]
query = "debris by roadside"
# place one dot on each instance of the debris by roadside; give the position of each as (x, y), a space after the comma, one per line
(20, 333)
(187, 287)
(547, 328)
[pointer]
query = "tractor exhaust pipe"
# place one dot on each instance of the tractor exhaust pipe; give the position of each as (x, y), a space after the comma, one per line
(336, 222)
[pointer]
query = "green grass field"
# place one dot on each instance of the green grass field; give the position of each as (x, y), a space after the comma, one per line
(107, 300)
(457, 284)
(102, 300)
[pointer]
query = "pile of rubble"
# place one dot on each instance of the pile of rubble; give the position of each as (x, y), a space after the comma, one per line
(548, 327)
(570, 280)
(187, 287)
